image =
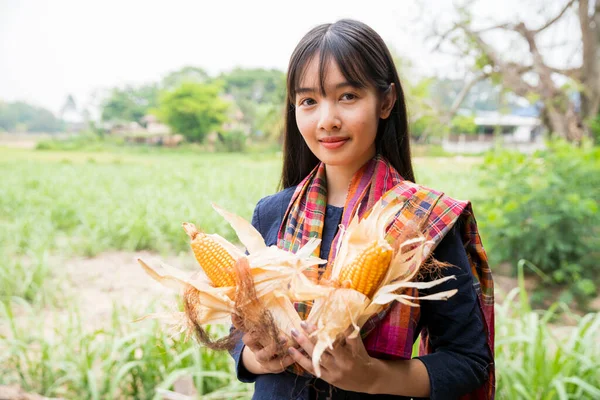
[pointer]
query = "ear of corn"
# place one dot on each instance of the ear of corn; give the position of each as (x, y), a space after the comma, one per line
(214, 259)
(367, 269)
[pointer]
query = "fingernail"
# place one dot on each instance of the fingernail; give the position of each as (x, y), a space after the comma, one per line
(291, 351)
(294, 332)
(282, 340)
(304, 325)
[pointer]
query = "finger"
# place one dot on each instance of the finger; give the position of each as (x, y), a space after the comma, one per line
(252, 341)
(278, 364)
(354, 344)
(328, 360)
(349, 331)
(351, 342)
(308, 327)
(271, 351)
(303, 340)
(236, 321)
(302, 360)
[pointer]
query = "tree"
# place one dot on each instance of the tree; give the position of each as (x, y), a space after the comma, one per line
(69, 106)
(25, 117)
(130, 103)
(185, 74)
(259, 93)
(533, 77)
(193, 110)
(463, 124)
(257, 85)
(424, 113)
(270, 121)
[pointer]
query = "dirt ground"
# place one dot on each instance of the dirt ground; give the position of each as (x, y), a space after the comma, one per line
(117, 278)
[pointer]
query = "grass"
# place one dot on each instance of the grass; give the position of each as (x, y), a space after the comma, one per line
(535, 360)
(59, 204)
(122, 360)
(86, 203)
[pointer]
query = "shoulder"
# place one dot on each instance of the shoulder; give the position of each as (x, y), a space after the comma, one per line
(451, 248)
(269, 212)
(422, 192)
(442, 210)
(275, 201)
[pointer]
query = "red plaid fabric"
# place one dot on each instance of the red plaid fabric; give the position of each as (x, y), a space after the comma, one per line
(390, 334)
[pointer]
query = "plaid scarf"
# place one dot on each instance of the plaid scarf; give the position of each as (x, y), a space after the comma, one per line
(390, 334)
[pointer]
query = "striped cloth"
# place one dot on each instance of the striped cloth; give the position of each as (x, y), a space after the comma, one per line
(390, 333)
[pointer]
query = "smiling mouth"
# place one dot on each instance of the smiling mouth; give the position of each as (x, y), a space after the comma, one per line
(333, 142)
(333, 139)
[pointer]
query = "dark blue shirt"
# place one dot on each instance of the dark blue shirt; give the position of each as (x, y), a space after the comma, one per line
(460, 359)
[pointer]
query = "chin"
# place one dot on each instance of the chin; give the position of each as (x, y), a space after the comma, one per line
(333, 159)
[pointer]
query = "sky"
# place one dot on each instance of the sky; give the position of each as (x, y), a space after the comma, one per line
(49, 49)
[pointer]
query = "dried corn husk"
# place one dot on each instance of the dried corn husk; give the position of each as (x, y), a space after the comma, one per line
(337, 306)
(261, 296)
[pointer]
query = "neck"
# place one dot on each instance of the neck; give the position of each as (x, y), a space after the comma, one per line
(338, 180)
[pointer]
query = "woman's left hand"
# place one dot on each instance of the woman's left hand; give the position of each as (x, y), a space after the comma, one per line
(348, 366)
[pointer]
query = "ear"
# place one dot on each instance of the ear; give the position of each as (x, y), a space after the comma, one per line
(388, 102)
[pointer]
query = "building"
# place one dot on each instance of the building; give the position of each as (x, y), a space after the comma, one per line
(522, 133)
(151, 131)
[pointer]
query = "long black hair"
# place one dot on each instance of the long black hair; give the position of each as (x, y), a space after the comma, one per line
(363, 59)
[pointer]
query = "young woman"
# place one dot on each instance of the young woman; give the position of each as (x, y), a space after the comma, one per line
(346, 145)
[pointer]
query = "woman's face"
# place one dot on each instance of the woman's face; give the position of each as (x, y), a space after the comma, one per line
(339, 127)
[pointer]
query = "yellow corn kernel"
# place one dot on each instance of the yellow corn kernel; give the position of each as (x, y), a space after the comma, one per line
(367, 269)
(216, 262)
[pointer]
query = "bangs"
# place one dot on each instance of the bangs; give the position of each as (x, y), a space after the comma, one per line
(330, 48)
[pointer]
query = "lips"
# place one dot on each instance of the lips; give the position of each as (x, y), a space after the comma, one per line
(333, 142)
(333, 139)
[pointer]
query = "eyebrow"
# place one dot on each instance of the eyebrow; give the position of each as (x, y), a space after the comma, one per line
(338, 86)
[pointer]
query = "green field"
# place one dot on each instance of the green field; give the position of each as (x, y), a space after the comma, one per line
(72, 223)
(85, 203)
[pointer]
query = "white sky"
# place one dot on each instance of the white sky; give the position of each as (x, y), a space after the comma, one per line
(49, 49)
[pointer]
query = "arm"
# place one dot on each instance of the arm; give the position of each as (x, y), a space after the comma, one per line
(390, 377)
(243, 374)
(458, 363)
(460, 356)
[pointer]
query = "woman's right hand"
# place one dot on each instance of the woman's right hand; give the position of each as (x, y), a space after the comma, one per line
(260, 354)
(259, 358)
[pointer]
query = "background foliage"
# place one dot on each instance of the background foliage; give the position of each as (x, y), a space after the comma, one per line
(544, 208)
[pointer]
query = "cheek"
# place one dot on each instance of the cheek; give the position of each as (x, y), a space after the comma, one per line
(306, 127)
(366, 124)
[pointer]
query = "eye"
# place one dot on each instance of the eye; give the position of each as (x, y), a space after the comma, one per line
(306, 102)
(349, 96)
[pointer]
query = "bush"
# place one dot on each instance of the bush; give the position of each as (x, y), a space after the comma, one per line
(594, 126)
(86, 141)
(463, 124)
(544, 208)
(232, 142)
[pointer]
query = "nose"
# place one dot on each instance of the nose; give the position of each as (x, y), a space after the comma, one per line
(329, 119)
